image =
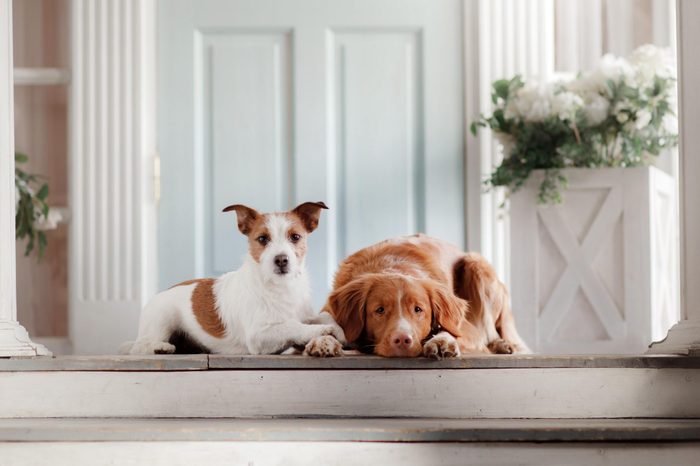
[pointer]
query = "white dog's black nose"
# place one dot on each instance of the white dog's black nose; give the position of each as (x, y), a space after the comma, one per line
(281, 261)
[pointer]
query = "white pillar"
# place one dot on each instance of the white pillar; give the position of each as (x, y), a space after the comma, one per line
(112, 145)
(684, 337)
(14, 340)
(502, 38)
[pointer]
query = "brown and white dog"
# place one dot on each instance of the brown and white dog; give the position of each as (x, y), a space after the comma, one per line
(419, 295)
(264, 307)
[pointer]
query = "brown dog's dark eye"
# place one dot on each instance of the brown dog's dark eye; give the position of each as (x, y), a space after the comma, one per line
(380, 310)
(263, 240)
(418, 310)
(294, 237)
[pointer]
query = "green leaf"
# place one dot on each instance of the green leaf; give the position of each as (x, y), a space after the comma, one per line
(30, 246)
(501, 89)
(42, 244)
(43, 192)
(20, 157)
(473, 128)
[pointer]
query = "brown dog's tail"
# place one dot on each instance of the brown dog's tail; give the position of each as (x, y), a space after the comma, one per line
(489, 303)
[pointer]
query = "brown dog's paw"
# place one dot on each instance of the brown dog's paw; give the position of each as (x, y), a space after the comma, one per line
(500, 346)
(441, 346)
(324, 346)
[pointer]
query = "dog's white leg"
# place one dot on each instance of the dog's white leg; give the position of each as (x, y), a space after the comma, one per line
(157, 323)
(326, 346)
(278, 337)
(327, 319)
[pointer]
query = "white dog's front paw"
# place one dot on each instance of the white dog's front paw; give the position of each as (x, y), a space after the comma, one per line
(152, 347)
(320, 330)
(339, 334)
(440, 346)
(324, 347)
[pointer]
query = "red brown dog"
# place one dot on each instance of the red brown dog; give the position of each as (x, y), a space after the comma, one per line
(419, 295)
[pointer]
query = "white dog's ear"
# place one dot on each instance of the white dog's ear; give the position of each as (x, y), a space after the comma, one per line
(309, 213)
(246, 217)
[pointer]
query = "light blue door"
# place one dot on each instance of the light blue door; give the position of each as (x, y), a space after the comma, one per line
(271, 103)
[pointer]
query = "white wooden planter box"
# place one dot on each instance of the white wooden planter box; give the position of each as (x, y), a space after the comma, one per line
(598, 273)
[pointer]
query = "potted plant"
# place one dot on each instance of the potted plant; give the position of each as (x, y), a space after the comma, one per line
(593, 225)
(33, 216)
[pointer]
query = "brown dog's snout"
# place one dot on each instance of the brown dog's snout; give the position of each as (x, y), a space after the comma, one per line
(401, 340)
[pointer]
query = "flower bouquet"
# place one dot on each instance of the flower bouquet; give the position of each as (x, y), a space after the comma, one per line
(620, 114)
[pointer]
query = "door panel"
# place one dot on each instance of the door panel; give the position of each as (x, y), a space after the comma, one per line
(275, 102)
(243, 99)
(377, 127)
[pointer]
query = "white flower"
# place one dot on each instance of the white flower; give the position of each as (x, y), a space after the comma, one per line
(532, 102)
(610, 68)
(565, 104)
(614, 68)
(670, 123)
(506, 140)
(643, 118)
(622, 117)
(49, 222)
(649, 61)
(596, 109)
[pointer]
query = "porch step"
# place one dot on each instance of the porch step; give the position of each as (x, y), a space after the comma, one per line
(360, 386)
(349, 430)
(348, 442)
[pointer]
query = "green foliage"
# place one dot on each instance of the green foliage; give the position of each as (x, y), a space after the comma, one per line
(31, 207)
(629, 130)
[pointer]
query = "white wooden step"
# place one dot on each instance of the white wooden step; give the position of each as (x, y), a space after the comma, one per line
(350, 430)
(263, 387)
(348, 442)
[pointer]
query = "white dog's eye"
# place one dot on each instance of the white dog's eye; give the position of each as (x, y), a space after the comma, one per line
(418, 310)
(294, 237)
(263, 240)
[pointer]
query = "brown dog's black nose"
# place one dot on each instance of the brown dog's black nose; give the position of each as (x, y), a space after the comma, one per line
(281, 260)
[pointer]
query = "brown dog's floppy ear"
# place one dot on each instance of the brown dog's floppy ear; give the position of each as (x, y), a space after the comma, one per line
(347, 306)
(246, 217)
(448, 310)
(309, 213)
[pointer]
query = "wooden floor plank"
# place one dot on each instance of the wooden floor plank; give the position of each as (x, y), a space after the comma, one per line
(467, 362)
(184, 362)
(362, 362)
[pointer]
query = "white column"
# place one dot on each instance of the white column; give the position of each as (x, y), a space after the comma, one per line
(112, 256)
(14, 340)
(579, 34)
(684, 337)
(502, 38)
(619, 26)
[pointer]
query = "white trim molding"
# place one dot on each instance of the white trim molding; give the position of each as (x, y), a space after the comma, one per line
(112, 140)
(14, 340)
(684, 337)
